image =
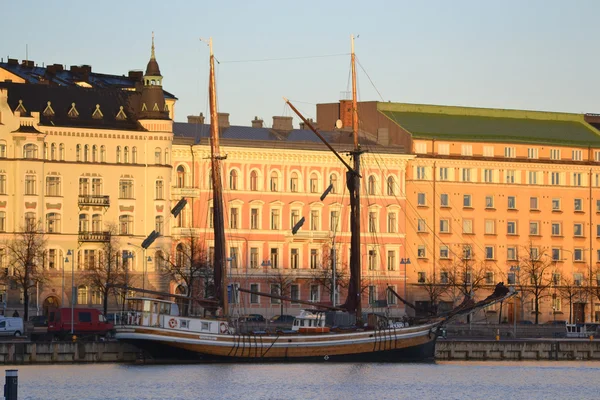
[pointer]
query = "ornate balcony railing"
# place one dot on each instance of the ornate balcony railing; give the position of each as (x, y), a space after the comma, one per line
(94, 200)
(94, 236)
(177, 192)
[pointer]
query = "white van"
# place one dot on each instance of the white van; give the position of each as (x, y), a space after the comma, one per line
(11, 326)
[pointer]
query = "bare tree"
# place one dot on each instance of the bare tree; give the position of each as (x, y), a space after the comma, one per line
(26, 256)
(191, 266)
(281, 282)
(324, 275)
(568, 290)
(109, 270)
(435, 291)
(466, 277)
(535, 270)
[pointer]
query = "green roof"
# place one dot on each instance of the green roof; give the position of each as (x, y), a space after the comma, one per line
(491, 125)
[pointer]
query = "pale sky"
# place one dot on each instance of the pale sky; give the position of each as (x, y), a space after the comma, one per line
(527, 54)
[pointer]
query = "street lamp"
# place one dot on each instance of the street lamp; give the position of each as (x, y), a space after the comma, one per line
(71, 253)
(515, 269)
(145, 264)
(405, 262)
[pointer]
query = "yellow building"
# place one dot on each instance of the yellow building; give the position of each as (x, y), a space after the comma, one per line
(87, 163)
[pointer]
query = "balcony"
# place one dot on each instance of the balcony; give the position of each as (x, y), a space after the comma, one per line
(178, 192)
(94, 200)
(94, 236)
(318, 236)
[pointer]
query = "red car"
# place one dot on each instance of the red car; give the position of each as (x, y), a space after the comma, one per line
(86, 321)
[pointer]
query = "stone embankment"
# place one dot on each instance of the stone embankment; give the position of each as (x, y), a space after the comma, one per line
(24, 352)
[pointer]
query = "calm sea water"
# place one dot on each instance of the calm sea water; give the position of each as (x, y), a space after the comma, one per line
(443, 381)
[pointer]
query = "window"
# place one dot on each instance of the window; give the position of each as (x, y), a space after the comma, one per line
(421, 251)
(86, 153)
(314, 220)
(82, 294)
(52, 186)
(294, 258)
(556, 229)
(126, 224)
(254, 218)
(468, 226)
(254, 181)
(295, 292)
(314, 183)
(444, 252)
(314, 258)
(2, 223)
(467, 200)
(555, 178)
(511, 227)
(234, 255)
(420, 148)
(84, 186)
(95, 153)
(577, 279)
(421, 173)
(421, 200)
(159, 193)
(102, 153)
(391, 186)
(89, 259)
(466, 174)
(391, 260)
(233, 179)
(126, 155)
(96, 186)
(488, 175)
(467, 252)
(444, 226)
(555, 154)
(509, 152)
(314, 292)
(421, 277)
(372, 260)
(489, 201)
(512, 202)
(598, 230)
(533, 203)
(534, 228)
(488, 151)
(556, 256)
(2, 184)
(489, 252)
(578, 205)
(30, 151)
(253, 296)
(578, 229)
(334, 218)
(275, 290)
(3, 149)
(333, 182)
(532, 153)
(254, 257)
(274, 258)
(577, 155)
(466, 150)
(421, 225)
(372, 222)
(371, 186)
(555, 204)
(294, 182)
(97, 223)
(234, 218)
(443, 149)
(510, 176)
(84, 223)
(444, 277)
(30, 185)
(53, 223)
(489, 278)
(490, 227)
(443, 174)
(511, 253)
(274, 182)
(444, 202)
(118, 155)
(576, 181)
(211, 217)
(180, 179)
(126, 189)
(159, 224)
(158, 156)
(532, 177)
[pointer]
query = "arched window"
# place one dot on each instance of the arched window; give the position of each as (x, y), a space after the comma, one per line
(94, 153)
(157, 156)
(294, 182)
(159, 261)
(84, 223)
(53, 223)
(233, 180)
(180, 255)
(97, 296)
(391, 186)
(61, 152)
(314, 183)
(102, 153)
(97, 223)
(334, 183)
(86, 153)
(82, 295)
(30, 151)
(210, 182)
(134, 155)
(118, 154)
(274, 181)
(46, 154)
(166, 157)
(53, 151)
(126, 155)
(30, 221)
(180, 176)
(159, 225)
(78, 153)
(126, 225)
(254, 181)
(371, 185)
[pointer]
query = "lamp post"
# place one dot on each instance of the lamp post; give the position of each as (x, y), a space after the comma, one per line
(515, 269)
(71, 253)
(145, 263)
(405, 262)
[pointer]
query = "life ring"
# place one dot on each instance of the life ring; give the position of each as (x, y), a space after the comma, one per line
(223, 327)
(173, 323)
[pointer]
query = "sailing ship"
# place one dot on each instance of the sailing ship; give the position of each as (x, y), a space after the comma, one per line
(157, 326)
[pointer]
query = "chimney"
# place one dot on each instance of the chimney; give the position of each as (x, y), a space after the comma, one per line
(223, 120)
(257, 123)
(135, 75)
(283, 123)
(54, 68)
(13, 61)
(196, 119)
(303, 126)
(27, 63)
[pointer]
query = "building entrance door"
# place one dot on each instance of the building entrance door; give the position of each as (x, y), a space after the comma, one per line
(50, 302)
(578, 313)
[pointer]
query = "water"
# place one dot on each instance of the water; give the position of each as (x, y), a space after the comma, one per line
(441, 381)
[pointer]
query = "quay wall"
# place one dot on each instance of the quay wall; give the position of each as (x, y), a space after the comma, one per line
(538, 349)
(66, 352)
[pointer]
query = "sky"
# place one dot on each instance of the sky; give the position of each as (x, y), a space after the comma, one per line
(533, 54)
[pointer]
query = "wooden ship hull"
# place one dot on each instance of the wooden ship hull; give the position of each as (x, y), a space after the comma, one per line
(380, 345)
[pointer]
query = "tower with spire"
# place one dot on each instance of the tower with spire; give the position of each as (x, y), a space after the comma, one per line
(153, 99)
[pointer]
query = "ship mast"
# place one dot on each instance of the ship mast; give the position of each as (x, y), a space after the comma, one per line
(220, 277)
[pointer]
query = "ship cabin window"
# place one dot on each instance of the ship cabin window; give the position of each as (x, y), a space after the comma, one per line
(205, 326)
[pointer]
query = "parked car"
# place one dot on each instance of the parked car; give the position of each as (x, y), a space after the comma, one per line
(558, 322)
(86, 321)
(39, 320)
(283, 319)
(252, 318)
(524, 322)
(11, 326)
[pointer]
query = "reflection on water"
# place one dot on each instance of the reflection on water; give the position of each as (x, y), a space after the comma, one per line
(444, 381)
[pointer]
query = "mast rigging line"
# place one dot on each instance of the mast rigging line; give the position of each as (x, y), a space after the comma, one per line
(283, 58)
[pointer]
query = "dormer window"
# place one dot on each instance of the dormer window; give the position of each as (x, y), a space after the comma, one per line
(73, 113)
(97, 114)
(48, 111)
(121, 114)
(21, 108)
